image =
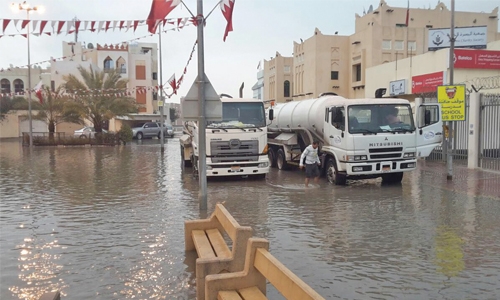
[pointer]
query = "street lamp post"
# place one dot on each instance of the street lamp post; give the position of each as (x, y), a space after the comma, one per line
(25, 6)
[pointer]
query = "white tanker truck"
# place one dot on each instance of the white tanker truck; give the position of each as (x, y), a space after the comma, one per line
(356, 139)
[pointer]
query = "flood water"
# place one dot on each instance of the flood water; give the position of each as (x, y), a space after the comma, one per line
(107, 223)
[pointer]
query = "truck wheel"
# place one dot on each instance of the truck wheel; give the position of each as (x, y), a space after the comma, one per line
(392, 178)
(271, 154)
(333, 175)
(139, 135)
(281, 160)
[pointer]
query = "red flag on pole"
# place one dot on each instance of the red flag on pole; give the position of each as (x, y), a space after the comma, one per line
(227, 10)
(159, 10)
(173, 84)
(5, 24)
(38, 91)
(408, 14)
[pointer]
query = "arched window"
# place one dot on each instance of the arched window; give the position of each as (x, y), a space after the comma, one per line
(18, 86)
(108, 64)
(287, 89)
(5, 86)
(121, 65)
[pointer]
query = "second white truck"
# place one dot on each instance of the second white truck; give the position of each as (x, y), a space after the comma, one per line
(359, 138)
(236, 146)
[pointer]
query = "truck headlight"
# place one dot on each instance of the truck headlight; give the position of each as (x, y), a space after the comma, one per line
(409, 154)
(263, 165)
(357, 157)
(357, 169)
(209, 167)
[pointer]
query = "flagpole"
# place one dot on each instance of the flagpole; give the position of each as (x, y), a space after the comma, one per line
(162, 135)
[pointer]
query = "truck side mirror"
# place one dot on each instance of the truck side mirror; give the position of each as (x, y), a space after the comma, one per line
(271, 114)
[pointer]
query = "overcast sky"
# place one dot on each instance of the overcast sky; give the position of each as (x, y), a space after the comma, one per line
(261, 27)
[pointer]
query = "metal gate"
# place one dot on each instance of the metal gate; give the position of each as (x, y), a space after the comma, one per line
(489, 138)
(460, 134)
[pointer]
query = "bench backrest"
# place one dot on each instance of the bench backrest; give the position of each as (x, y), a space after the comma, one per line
(284, 280)
(227, 221)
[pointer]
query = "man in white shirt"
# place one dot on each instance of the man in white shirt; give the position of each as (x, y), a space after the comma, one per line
(312, 162)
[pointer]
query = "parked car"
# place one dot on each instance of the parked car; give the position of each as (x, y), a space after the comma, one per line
(86, 132)
(151, 129)
(169, 130)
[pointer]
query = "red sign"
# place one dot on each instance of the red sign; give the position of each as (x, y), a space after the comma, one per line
(477, 59)
(427, 82)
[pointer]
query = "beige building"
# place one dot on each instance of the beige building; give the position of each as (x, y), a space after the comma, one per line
(278, 78)
(418, 76)
(333, 63)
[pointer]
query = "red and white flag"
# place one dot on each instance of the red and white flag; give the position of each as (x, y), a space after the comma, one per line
(227, 10)
(173, 84)
(159, 10)
(38, 91)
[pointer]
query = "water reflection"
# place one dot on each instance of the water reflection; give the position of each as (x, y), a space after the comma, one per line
(107, 223)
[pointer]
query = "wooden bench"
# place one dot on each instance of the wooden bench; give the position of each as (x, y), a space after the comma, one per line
(251, 282)
(214, 255)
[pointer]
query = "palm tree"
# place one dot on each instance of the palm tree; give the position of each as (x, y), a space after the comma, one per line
(57, 108)
(92, 97)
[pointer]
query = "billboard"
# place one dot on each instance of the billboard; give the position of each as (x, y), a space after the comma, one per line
(427, 82)
(397, 87)
(466, 37)
(476, 59)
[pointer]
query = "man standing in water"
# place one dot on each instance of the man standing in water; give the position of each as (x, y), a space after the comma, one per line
(312, 162)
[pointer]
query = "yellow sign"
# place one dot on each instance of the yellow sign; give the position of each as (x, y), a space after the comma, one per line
(160, 103)
(452, 100)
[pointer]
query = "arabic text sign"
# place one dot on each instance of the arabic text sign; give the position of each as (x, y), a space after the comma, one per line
(477, 59)
(466, 37)
(452, 100)
(427, 82)
(397, 87)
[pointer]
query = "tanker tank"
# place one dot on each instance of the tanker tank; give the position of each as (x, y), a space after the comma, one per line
(309, 114)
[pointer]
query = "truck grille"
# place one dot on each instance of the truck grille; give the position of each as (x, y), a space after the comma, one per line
(234, 150)
(385, 153)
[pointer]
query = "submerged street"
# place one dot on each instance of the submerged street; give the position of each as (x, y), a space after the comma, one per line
(108, 223)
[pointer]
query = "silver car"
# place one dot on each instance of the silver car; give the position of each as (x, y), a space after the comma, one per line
(151, 129)
(86, 132)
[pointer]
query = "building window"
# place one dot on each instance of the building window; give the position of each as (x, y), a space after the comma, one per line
(386, 45)
(287, 89)
(108, 64)
(412, 46)
(155, 76)
(401, 25)
(5, 86)
(399, 45)
(356, 73)
(286, 69)
(140, 95)
(155, 96)
(52, 86)
(18, 86)
(140, 70)
(335, 75)
(121, 65)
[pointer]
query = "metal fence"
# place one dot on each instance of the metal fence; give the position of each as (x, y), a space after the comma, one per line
(489, 138)
(460, 134)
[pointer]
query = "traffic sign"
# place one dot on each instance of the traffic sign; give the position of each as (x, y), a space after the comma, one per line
(213, 104)
(452, 100)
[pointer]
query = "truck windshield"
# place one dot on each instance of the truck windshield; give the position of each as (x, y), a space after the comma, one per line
(375, 118)
(241, 115)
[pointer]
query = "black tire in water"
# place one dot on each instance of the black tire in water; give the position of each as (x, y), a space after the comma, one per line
(281, 160)
(271, 154)
(332, 173)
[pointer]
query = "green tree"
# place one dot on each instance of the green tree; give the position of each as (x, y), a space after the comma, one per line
(57, 108)
(95, 96)
(174, 115)
(125, 134)
(8, 105)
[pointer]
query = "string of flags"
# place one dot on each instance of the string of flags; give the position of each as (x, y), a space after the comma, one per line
(77, 93)
(38, 27)
(116, 46)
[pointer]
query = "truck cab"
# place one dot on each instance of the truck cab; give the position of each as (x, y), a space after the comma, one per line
(368, 139)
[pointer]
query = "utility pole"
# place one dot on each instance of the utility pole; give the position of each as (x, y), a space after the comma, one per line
(449, 159)
(202, 153)
(162, 99)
